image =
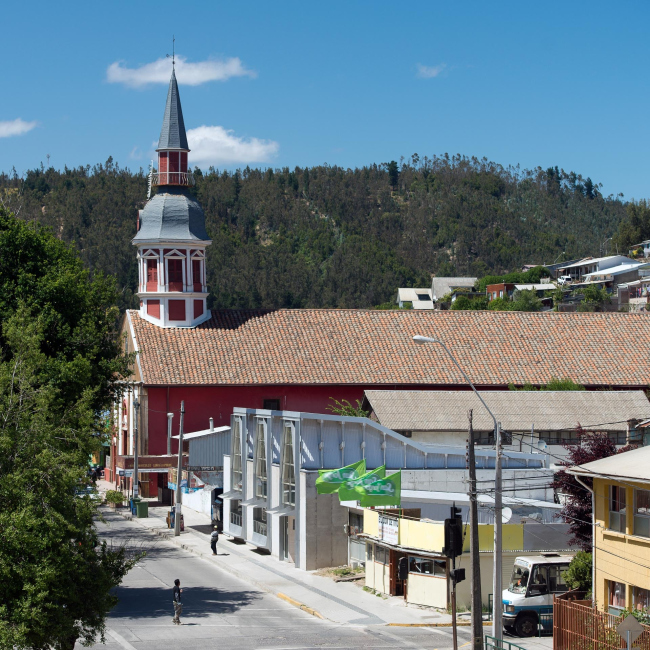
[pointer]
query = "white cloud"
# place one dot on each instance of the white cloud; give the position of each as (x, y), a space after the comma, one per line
(190, 74)
(15, 127)
(136, 154)
(214, 145)
(430, 71)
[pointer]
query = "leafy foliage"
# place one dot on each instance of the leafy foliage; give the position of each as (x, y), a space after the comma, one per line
(578, 575)
(553, 384)
(594, 298)
(332, 237)
(345, 408)
(577, 511)
(59, 355)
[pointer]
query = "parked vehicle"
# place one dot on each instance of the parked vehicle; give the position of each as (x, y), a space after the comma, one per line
(564, 279)
(535, 580)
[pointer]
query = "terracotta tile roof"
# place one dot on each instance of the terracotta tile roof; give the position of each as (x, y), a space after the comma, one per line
(365, 347)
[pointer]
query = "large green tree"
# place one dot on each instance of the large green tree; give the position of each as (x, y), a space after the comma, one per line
(59, 358)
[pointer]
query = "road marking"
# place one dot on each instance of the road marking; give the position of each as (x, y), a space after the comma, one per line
(120, 639)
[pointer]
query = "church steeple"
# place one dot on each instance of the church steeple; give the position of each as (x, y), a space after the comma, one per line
(172, 134)
(171, 237)
(172, 146)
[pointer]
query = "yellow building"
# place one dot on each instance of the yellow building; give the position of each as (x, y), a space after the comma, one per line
(390, 538)
(621, 495)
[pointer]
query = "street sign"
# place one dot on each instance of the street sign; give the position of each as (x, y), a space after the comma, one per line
(125, 472)
(630, 630)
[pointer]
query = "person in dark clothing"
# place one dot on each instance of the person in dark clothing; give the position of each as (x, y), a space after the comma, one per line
(214, 538)
(178, 607)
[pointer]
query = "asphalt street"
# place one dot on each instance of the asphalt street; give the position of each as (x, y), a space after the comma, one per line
(221, 611)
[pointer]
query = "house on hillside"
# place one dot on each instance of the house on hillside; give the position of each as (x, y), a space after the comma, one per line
(640, 250)
(416, 298)
(633, 296)
(621, 496)
(578, 270)
(531, 420)
(440, 287)
(623, 273)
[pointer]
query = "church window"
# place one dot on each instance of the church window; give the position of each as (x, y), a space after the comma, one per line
(175, 274)
(153, 308)
(176, 309)
(196, 275)
(152, 275)
(198, 308)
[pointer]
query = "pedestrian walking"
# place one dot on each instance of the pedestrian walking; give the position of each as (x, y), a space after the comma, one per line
(214, 538)
(178, 607)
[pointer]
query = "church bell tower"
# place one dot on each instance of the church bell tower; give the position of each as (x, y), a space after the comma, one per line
(171, 238)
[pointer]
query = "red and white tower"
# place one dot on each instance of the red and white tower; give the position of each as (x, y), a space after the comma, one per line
(171, 238)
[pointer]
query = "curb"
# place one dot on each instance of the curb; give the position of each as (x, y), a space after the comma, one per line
(299, 605)
(237, 574)
(458, 624)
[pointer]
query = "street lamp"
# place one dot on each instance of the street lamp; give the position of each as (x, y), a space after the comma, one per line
(497, 587)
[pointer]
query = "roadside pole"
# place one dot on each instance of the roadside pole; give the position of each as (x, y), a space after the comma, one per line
(477, 601)
(169, 433)
(454, 627)
(136, 407)
(497, 587)
(179, 477)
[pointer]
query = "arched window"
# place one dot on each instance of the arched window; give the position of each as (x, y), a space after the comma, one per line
(287, 466)
(175, 274)
(236, 456)
(260, 461)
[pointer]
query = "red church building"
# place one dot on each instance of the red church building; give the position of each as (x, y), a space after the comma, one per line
(302, 359)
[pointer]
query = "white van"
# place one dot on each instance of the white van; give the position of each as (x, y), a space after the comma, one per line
(535, 580)
(564, 279)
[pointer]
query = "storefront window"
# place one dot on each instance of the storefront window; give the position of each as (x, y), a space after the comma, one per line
(617, 508)
(642, 513)
(236, 456)
(427, 566)
(616, 594)
(382, 555)
(288, 472)
(260, 461)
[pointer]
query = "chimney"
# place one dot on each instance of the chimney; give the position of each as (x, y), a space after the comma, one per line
(211, 424)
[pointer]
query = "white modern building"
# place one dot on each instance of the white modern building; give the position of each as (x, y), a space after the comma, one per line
(270, 497)
(419, 298)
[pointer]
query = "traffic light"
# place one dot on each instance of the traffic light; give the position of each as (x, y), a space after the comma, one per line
(453, 534)
(457, 575)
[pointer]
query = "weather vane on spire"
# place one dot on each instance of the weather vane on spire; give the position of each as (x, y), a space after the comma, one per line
(173, 55)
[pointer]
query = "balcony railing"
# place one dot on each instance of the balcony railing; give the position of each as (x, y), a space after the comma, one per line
(235, 519)
(259, 527)
(172, 178)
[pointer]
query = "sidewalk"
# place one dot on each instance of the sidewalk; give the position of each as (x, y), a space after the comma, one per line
(339, 602)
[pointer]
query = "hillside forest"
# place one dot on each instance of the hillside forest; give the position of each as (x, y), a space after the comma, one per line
(331, 237)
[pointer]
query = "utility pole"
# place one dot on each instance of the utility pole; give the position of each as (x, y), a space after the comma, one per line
(477, 601)
(497, 587)
(136, 407)
(169, 433)
(179, 476)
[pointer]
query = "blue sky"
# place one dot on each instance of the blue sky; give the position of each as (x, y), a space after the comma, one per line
(345, 83)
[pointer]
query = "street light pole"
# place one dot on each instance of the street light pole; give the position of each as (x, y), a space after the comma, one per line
(136, 407)
(169, 433)
(497, 597)
(179, 477)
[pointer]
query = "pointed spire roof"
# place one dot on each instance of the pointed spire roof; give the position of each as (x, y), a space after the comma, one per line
(172, 134)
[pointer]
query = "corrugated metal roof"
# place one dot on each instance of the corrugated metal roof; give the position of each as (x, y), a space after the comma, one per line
(633, 465)
(172, 134)
(516, 410)
(535, 287)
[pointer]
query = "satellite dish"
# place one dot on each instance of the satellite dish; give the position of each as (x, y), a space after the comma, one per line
(506, 515)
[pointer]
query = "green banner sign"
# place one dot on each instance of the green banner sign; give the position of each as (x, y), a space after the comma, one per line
(347, 492)
(330, 480)
(384, 492)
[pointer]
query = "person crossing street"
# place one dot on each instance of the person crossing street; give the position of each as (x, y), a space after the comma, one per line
(214, 538)
(178, 607)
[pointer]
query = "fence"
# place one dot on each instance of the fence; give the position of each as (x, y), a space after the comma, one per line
(492, 643)
(579, 626)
